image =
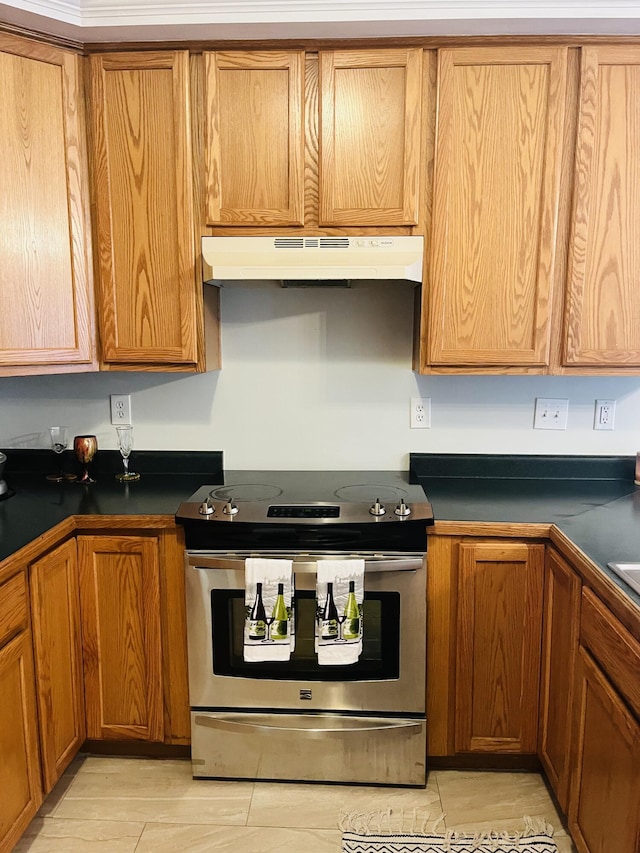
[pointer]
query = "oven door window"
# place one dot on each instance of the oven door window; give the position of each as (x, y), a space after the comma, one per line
(380, 658)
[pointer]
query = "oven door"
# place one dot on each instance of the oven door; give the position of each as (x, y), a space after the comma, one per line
(389, 677)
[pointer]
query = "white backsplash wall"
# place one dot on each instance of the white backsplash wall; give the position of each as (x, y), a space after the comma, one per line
(321, 379)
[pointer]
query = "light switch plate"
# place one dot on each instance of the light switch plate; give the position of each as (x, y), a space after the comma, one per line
(551, 413)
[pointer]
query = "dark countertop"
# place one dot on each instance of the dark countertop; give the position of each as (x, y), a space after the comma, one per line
(593, 500)
(166, 480)
(599, 510)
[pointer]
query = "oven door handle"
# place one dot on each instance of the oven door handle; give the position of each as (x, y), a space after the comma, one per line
(204, 561)
(233, 724)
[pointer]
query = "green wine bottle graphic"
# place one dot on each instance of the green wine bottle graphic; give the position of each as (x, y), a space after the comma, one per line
(258, 617)
(280, 626)
(351, 626)
(329, 624)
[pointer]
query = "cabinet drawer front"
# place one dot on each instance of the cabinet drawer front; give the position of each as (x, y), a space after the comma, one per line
(612, 646)
(13, 606)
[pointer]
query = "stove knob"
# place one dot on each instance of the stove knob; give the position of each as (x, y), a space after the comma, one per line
(230, 508)
(377, 508)
(402, 510)
(206, 508)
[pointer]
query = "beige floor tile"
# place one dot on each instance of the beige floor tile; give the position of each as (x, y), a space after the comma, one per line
(565, 844)
(319, 806)
(167, 838)
(55, 796)
(494, 800)
(52, 835)
(149, 790)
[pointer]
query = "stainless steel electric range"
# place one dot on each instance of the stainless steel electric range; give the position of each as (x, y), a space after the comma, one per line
(296, 719)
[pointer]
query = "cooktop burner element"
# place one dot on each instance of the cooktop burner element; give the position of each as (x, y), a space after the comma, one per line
(364, 491)
(243, 492)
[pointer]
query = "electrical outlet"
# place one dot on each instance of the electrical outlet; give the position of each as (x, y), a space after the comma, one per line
(551, 414)
(605, 414)
(120, 408)
(420, 412)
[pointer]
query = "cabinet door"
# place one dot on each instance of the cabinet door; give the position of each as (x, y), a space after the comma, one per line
(603, 303)
(55, 613)
(46, 322)
(560, 646)
(370, 136)
(499, 627)
(255, 138)
(19, 767)
(604, 812)
(121, 632)
(144, 207)
(500, 117)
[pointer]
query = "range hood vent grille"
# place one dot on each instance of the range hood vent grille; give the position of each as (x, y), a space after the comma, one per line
(311, 242)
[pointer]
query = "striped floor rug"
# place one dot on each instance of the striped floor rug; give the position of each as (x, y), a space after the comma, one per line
(536, 837)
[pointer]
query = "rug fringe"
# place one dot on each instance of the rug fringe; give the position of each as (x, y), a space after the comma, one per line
(388, 822)
(414, 822)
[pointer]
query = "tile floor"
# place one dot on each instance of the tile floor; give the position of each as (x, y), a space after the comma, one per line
(122, 805)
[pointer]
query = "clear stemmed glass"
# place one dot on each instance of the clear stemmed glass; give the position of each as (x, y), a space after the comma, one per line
(125, 445)
(85, 448)
(59, 437)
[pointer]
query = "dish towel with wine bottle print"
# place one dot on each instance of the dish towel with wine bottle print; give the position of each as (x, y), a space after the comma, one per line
(339, 597)
(269, 630)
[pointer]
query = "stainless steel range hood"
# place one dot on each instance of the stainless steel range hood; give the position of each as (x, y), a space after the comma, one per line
(312, 259)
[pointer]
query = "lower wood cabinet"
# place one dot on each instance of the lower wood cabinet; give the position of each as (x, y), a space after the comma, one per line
(604, 813)
(559, 650)
(122, 637)
(484, 630)
(55, 614)
(20, 788)
(499, 625)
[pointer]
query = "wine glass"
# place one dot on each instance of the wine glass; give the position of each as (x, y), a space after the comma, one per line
(59, 437)
(85, 447)
(340, 620)
(268, 621)
(125, 445)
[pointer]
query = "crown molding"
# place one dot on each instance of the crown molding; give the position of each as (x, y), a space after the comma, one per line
(105, 20)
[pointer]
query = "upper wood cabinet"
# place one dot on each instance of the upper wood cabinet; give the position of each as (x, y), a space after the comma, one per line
(603, 302)
(55, 613)
(295, 139)
(499, 628)
(254, 139)
(370, 136)
(149, 305)
(47, 317)
(498, 142)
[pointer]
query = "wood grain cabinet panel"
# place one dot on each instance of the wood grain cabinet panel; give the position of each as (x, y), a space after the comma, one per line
(370, 136)
(122, 637)
(604, 811)
(560, 647)
(499, 627)
(142, 172)
(254, 149)
(500, 118)
(55, 609)
(46, 322)
(20, 765)
(603, 302)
